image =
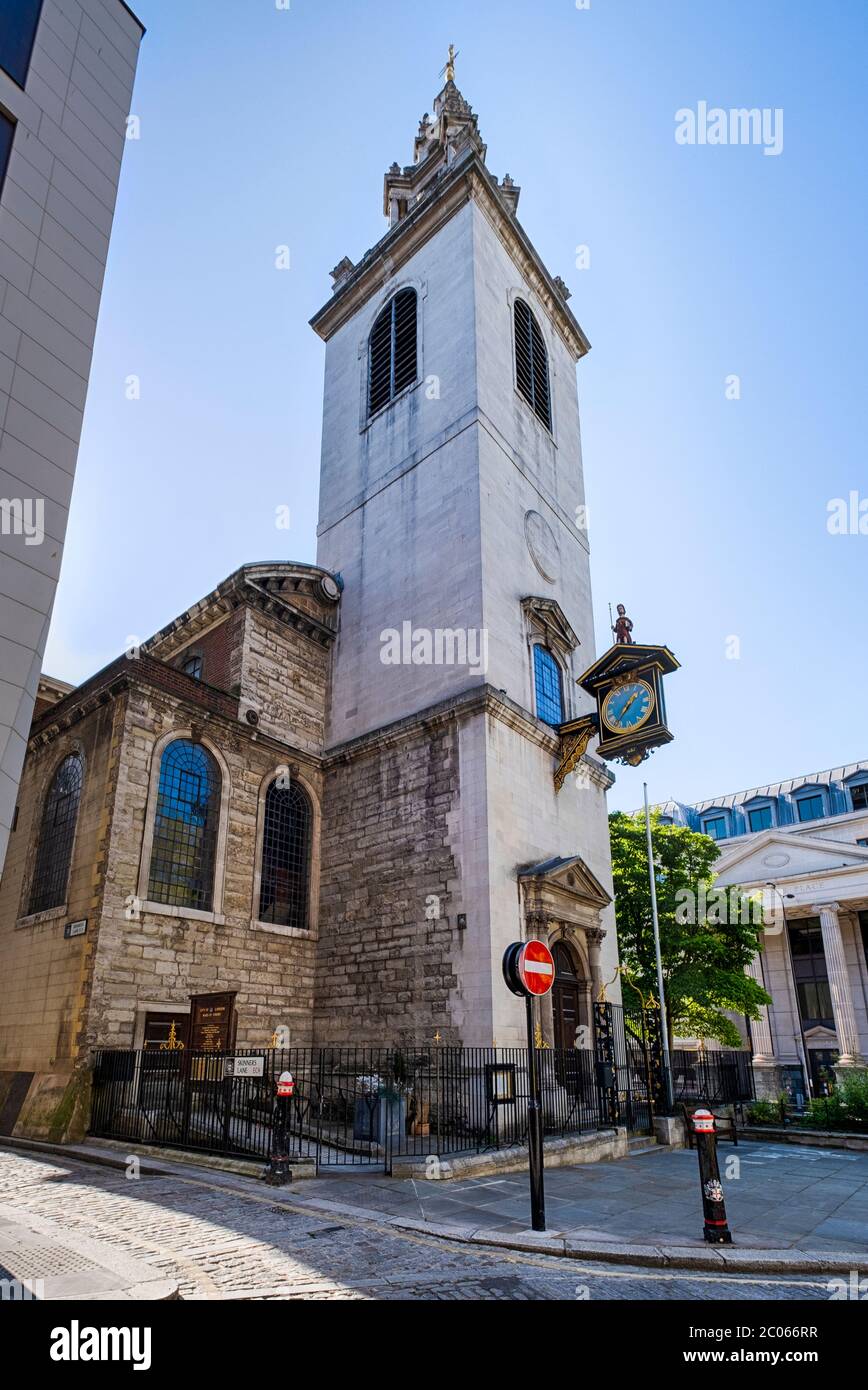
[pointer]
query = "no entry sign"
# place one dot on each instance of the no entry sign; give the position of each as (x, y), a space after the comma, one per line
(536, 967)
(529, 968)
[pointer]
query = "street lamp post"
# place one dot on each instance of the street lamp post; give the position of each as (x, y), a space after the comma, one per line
(800, 1036)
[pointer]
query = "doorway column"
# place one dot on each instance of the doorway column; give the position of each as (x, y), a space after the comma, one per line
(594, 936)
(839, 987)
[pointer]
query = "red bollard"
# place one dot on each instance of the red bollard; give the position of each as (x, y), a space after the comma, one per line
(715, 1228)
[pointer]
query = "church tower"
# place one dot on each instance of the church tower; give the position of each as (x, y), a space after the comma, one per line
(452, 508)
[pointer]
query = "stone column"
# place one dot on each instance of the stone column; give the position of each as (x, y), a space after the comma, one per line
(767, 1074)
(839, 987)
(760, 1029)
(594, 936)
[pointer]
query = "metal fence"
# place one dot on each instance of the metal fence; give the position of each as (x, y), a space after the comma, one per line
(720, 1078)
(351, 1106)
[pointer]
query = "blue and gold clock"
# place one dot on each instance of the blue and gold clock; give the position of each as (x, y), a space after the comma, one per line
(627, 706)
(630, 718)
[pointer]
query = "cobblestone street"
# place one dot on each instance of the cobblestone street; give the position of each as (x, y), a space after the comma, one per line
(227, 1238)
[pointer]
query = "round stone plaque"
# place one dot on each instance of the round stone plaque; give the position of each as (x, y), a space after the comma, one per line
(543, 546)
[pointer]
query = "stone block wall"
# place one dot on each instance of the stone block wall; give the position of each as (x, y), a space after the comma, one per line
(386, 973)
(154, 954)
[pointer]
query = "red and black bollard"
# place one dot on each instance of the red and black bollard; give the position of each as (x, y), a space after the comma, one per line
(278, 1173)
(715, 1229)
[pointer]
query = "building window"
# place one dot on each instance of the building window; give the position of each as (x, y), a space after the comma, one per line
(531, 363)
(760, 818)
(715, 826)
(7, 132)
(185, 827)
(18, 24)
(809, 972)
(811, 807)
(193, 667)
(859, 796)
(286, 841)
(547, 686)
(392, 351)
(56, 835)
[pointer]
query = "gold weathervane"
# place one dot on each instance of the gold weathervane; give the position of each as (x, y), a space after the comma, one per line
(449, 70)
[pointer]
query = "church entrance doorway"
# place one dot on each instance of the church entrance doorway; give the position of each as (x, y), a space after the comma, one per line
(566, 998)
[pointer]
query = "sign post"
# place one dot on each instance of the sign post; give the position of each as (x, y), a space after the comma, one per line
(529, 970)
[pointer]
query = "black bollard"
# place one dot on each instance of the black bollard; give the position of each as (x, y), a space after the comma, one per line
(715, 1229)
(278, 1173)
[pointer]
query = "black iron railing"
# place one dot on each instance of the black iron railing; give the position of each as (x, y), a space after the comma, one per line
(349, 1105)
(720, 1078)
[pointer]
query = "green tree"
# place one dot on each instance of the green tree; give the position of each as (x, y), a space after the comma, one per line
(708, 936)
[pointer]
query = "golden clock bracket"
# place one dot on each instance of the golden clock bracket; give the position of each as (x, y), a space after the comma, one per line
(575, 737)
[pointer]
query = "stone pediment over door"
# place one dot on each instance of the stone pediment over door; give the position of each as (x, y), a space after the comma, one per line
(561, 891)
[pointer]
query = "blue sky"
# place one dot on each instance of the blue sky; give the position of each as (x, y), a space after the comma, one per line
(263, 127)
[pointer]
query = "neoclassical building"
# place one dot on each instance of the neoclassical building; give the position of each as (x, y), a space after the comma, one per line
(802, 846)
(328, 790)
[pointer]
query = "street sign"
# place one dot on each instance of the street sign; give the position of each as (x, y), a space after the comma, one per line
(535, 967)
(243, 1066)
(75, 929)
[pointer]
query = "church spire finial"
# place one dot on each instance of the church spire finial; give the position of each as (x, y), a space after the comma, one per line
(449, 70)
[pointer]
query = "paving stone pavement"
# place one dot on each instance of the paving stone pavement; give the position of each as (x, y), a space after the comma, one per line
(237, 1240)
(777, 1196)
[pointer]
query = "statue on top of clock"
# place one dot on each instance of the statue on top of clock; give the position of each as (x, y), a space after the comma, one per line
(623, 628)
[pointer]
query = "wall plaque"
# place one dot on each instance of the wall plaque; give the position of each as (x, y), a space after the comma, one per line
(212, 1022)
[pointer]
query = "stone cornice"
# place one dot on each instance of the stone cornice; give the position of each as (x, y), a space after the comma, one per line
(482, 699)
(467, 180)
(200, 702)
(268, 587)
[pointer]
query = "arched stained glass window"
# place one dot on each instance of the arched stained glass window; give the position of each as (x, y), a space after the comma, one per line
(56, 834)
(286, 844)
(185, 827)
(392, 350)
(532, 363)
(547, 685)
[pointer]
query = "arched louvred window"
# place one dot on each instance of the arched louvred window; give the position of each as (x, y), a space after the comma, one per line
(185, 827)
(547, 686)
(532, 363)
(56, 835)
(286, 844)
(392, 356)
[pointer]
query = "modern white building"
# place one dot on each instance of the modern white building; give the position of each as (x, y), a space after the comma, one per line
(803, 845)
(67, 69)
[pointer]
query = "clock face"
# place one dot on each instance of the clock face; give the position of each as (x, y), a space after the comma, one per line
(628, 706)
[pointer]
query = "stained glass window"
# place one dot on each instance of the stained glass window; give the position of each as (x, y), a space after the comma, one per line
(286, 843)
(185, 827)
(56, 835)
(547, 684)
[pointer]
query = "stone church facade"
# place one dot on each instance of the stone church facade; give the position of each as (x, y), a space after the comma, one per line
(329, 789)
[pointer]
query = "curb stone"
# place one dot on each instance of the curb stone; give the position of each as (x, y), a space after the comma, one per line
(554, 1243)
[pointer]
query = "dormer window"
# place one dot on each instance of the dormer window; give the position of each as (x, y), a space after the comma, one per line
(715, 825)
(810, 806)
(859, 795)
(532, 363)
(760, 816)
(392, 351)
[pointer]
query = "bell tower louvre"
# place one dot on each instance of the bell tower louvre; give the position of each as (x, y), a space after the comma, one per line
(451, 507)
